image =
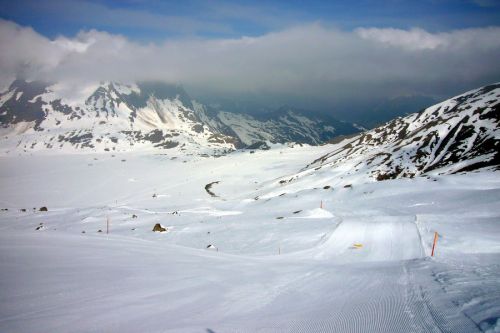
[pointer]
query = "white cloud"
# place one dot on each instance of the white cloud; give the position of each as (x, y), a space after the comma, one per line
(73, 45)
(419, 39)
(414, 39)
(309, 62)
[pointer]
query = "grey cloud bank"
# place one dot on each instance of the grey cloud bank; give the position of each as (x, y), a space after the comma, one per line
(304, 63)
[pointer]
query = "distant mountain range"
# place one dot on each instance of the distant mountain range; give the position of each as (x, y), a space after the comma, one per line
(459, 134)
(148, 115)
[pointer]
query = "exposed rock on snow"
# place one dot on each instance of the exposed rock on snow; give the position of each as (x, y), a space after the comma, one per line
(159, 228)
(262, 145)
(208, 188)
(458, 135)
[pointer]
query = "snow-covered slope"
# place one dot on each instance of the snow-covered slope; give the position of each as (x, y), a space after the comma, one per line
(318, 260)
(458, 135)
(146, 116)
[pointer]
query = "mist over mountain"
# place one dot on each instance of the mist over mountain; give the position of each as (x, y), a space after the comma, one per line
(310, 66)
(379, 111)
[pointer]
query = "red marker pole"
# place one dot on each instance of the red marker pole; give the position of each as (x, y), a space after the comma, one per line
(436, 235)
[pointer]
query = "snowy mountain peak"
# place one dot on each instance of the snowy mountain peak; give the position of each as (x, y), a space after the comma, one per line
(114, 117)
(146, 115)
(457, 135)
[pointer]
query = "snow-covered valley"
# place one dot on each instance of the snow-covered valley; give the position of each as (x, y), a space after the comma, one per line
(242, 251)
(249, 166)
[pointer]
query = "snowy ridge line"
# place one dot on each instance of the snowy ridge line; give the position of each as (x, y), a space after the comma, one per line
(458, 135)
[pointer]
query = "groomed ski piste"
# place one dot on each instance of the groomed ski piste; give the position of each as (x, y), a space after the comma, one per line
(334, 254)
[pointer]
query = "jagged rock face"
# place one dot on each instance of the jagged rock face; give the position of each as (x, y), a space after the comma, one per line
(283, 125)
(21, 103)
(113, 118)
(286, 125)
(149, 115)
(460, 134)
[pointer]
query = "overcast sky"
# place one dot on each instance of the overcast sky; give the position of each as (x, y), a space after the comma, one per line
(322, 52)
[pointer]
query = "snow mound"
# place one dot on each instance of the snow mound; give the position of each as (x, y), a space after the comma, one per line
(317, 213)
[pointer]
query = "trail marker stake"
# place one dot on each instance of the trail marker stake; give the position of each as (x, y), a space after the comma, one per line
(436, 236)
(321, 204)
(107, 225)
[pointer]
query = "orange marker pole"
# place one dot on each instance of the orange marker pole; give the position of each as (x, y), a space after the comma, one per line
(434, 244)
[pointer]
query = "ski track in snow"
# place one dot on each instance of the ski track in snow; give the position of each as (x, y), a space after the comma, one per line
(359, 265)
